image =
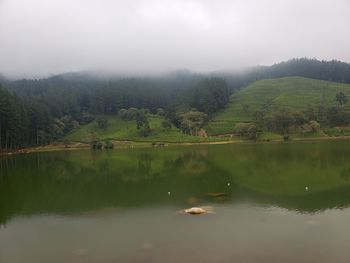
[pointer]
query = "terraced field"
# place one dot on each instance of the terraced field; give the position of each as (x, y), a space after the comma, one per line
(292, 93)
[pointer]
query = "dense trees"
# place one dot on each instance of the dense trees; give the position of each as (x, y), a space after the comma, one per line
(21, 122)
(72, 96)
(209, 95)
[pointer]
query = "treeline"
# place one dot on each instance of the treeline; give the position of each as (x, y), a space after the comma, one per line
(310, 120)
(73, 96)
(334, 70)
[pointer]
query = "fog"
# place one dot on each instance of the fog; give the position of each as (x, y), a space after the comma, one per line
(43, 37)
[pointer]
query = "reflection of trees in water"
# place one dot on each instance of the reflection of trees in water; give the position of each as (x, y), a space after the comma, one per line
(345, 173)
(145, 165)
(59, 182)
(7, 162)
(81, 181)
(317, 155)
(191, 163)
(139, 169)
(287, 168)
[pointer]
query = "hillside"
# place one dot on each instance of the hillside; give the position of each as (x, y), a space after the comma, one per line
(37, 112)
(291, 93)
(122, 130)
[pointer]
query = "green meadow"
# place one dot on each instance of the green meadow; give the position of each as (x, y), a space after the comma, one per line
(122, 130)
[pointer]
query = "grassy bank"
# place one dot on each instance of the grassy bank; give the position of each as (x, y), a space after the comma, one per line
(264, 138)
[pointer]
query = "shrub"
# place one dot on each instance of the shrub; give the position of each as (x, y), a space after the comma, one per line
(108, 145)
(102, 123)
(248, 130)
(166, 125)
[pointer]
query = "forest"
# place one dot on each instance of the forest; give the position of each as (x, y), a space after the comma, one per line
(41, 111)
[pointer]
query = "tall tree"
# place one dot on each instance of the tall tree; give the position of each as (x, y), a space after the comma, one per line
(341, 98)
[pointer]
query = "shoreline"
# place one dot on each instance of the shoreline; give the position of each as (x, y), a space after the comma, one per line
(133, 144)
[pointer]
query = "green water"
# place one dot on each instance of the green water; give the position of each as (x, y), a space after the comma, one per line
(123, 205)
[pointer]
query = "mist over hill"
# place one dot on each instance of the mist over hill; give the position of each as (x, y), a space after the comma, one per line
(333, 70)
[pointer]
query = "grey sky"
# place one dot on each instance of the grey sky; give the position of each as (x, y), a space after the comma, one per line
(40, 37)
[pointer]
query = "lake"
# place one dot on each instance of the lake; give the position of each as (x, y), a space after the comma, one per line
(271, 203)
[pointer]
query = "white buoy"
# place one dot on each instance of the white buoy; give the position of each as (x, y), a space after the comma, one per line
(168, 193)
(228, 184)
(306, 188)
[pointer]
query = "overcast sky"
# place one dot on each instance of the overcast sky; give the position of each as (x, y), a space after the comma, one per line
(42, 37)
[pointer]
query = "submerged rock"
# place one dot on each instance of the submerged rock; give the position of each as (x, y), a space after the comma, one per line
(195, 210)
(198, 210)
(216, 194)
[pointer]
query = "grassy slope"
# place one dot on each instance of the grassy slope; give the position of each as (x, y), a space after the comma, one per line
(293, 93)
(119, 129)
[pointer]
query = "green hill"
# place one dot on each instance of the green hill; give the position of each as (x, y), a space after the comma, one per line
(121, 130)
(294, 94)
(291, 93)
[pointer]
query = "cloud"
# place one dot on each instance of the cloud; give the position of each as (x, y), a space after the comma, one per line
(40, 37)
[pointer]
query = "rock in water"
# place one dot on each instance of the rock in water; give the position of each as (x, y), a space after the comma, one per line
(195, 211)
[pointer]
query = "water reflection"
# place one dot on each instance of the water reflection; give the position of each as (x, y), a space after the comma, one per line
(276, 175)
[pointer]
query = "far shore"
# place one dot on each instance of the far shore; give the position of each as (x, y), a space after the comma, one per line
(135, 144)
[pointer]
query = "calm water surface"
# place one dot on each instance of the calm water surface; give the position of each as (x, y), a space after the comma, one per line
(122, 205)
